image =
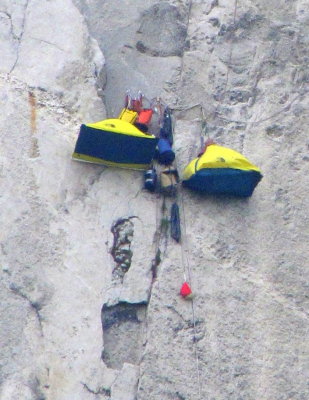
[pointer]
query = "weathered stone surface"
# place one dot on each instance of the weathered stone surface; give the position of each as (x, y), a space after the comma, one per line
(123, 329)
(234, 71)
(115, 27)
(163, 31)
(51, 50)
(128, 379)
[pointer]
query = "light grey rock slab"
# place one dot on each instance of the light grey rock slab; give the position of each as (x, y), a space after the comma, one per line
(219, 253)
(244, 82)
(124, 387)
(63, 61)
(38, 131)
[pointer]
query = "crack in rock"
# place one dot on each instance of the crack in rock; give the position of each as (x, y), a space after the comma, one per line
(123, 230)
(19, 38)
(6, 15)
(245, 24)
(35, 306)
(46, 42)
(105, 392)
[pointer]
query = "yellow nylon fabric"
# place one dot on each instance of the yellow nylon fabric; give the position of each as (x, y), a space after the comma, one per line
(217, 156)
(119, 126)
(128, 115)
(95, 160)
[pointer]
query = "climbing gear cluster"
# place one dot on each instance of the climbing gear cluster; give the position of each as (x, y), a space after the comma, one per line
(141, 138)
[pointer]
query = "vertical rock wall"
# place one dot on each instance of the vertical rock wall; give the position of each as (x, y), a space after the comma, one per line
(89, 275)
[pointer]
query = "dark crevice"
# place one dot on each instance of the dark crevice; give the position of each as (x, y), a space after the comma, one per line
(103, 391)
(154, 265)
(35, 387)
(180, 396)
(123, 329)
(123, 231)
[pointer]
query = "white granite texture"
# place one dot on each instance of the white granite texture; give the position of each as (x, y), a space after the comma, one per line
(74, 325)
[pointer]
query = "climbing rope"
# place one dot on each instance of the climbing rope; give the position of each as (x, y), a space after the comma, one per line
(187, 28)
(228, 65)
(161, 218)
(187, 271)
(254, 123)
(188, 274)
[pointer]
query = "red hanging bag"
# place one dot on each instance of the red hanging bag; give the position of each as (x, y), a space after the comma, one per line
(185, 290)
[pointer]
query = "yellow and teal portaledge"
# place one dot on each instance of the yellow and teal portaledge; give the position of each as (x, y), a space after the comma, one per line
(115, 143)
(220, 170)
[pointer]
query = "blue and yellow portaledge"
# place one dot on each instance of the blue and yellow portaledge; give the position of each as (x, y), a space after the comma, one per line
(115, 143)
(222, 171)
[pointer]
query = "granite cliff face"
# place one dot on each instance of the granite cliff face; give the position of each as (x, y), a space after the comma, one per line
(89, 275)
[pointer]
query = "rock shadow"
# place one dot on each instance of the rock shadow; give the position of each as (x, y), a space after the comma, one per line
(123, 328)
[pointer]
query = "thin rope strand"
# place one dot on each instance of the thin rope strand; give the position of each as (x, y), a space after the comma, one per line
(188, 268)
(187, 271)
(196, 353)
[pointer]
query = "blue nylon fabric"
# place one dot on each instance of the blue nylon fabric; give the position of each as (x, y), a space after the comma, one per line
(165, 153)
(227, 181)
(114, 147)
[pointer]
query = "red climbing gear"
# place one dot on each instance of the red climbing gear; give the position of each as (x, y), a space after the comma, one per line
(144, 116)
(185, 290)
